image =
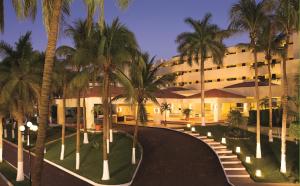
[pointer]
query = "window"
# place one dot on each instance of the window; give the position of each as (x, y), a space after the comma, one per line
(231, 79)
(239, 105)
(218, 80)
(244, 77)
(273, 61)
(291, 58)
(197, 70)
(208, 81)
(190, 83)
(207, 69)
(273, 76)
(197, 82)
(243, 50)
(218, 67)
(243, 64)
(231, 66)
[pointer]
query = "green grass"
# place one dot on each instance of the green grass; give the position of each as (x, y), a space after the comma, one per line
(121, 169)
(53, 133)
(270, 161)
(11, 173)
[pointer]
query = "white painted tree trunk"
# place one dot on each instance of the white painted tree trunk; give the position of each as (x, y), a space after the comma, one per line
(133, 158)
(1, 140)
(77, 160)
(283, 164)
(45, 150)
(107, 145)
(258, 150)
(28, 141)
(62, 152)
(85, 138)
(1, 155)
(105, 175)
(203, 121)
(270, 135)
(111, 135)
(13, 134)
(5, 133)
(20, 172)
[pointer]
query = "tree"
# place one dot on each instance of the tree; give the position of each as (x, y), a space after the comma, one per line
(141, 86)
(266, 42)
(248, 16)
(205, 40)
(287, 18)
(20, 78)
(164, 108)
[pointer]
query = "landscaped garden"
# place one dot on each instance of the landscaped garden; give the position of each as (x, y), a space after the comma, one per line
(121, 169)
(269, 164)
(10, 173)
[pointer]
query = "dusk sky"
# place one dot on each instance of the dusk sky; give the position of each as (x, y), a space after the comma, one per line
(156, 23)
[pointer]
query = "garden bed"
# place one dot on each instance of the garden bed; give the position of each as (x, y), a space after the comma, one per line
(10, 173)
(121, 169)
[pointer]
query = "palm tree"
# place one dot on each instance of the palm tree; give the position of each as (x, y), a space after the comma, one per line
(206, 39)
(79, 61)
(248, 16)
(164, 108)
(266, 42)
(61, 77)
(141, 86)
(114, 47)
(20, 78)
(287, 17)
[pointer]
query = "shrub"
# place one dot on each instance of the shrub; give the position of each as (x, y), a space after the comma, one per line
(294, 130)
(264, 117)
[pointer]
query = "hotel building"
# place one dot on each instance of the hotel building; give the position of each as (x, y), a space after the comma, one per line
(227, 86)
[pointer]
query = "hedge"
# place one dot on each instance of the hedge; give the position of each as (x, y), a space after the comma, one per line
(264, 117)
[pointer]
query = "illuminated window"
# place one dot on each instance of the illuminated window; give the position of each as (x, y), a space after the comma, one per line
(231, 66)
(243, 64)
(231, 79)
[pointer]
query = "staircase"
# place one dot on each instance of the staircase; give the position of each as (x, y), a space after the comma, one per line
(233, 167)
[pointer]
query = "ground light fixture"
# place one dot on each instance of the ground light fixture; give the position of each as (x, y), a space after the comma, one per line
(188, 125)
(248, 159)
(209, 134)
(193, 129)
(223, 141)
(258, 173)
(238, 150)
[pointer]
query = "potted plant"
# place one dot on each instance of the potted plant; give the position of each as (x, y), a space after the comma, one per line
(187, 113)
(164, 107)
(236, 120)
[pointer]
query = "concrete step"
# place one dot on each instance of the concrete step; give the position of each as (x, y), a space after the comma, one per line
(231, 162)
(234, 168)
(208, 140)
(219, 147)
(213, 143)
(194, 134)
(227, 156)
(238, 176)
(222, 151)
(237, 173)
(239, 165)
(180, 130)
(202, 137)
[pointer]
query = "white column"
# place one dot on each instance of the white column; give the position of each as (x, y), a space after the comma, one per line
(246, 109)
(217, 110)
(89, 114)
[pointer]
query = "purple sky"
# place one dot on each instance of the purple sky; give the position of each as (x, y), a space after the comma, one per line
(156, 23)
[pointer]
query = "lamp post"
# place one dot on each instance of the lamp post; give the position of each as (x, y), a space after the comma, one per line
(30, 127)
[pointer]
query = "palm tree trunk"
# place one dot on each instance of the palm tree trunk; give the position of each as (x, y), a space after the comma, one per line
(85, 134)
(78, 132)
(101, 16)
(270, 102)
(284, 103)
(45, 92)
(202, 91)
(133, 156)
(20, 165)
(105, 142)
(1, 138)
(110, 118)
(258, 146)
(63, 127)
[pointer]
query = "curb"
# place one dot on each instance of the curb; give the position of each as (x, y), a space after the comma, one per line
(4, 179)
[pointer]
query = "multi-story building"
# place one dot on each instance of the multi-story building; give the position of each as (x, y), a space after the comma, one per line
(227, 86)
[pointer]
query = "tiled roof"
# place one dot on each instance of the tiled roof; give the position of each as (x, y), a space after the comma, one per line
(176, 89)
(248, 84)
(216, 93)
(168, 94)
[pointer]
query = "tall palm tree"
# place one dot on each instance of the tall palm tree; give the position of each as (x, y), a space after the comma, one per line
(266, 42)
(79, 61)
(248, 16)
(112, 50)
(164, 108)
(20, 78)
(287, 17)
(205, 40)
(61, 78)
(141, 86)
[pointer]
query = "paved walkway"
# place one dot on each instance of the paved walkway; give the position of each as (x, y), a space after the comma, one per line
(175, 159)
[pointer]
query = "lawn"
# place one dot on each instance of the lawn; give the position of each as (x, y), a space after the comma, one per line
(121, 169)
(53, 133)
(270, 162)
(11, 173)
